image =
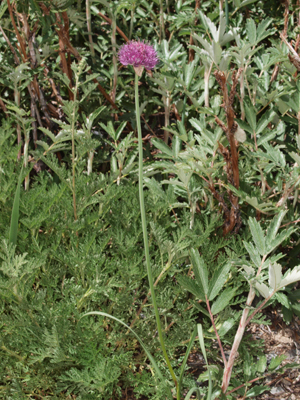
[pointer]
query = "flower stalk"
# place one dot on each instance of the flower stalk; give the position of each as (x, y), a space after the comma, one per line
(145, 234)
(142, 55)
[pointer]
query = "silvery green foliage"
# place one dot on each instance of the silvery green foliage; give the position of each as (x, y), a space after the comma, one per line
(264, 245)
(62, 269)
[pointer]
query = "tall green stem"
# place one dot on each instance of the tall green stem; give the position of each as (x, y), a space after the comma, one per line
(115, 60)
(73, 150)
(89, 28)
(144, 226)
(162, 34)
(226, 15)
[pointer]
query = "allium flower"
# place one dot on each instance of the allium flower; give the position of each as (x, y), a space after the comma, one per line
(138, 54)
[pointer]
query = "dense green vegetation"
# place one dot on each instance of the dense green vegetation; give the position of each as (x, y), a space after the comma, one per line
(220, 119)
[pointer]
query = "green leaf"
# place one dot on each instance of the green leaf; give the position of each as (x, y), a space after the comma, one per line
(186, 356)
(247, 364)
(256, 391)
(109, 129)
(162, 146)
(287, 314)
(48, 133)
(223, 300)
(251, 31)
(295, 156)
(276, 361)
(263, 289)
(251, 116)
(89, 121)
(188, 73)
(191, 286)
(200, 270)
(206, 134)
(226, 326)
(44, 145)
(218, 280)
(247, 2)
(254, 254)
(266, 138)
(120, 129)
(262, 31)
(201, 309)
(261, 364)
(176, 145)
(191, 392)
(202, 346)
(214, 370)
(291, 277)
(275, 276)
(279, 239)
(3, 8)
(257, 235)
(265, 120)
(283, 299)
(201, 341)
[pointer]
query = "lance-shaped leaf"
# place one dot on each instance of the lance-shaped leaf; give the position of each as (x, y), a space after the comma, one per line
(261, 364)
(275, 276)
(218, 280)
(191, 286)
(290, 277)
(262, 31)
(187, 353)
(257, 235)
(206, 134)
(249, 272)
(109, 129)
(263, 289)
(176, 145)
(265, 120)
(223, 300)
(251, 31)
(250, 116)
(200, 271)
(279, 239)
(276, 361)
(161, 145)
(254, 254)
(226, 326)
(283, 299)
(295, 156)
(219, 35)
(202, 346)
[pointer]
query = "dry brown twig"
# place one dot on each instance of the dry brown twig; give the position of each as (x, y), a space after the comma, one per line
(232, 215)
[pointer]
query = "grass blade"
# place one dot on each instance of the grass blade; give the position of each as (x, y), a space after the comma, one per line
(188, 350)
(155, 366)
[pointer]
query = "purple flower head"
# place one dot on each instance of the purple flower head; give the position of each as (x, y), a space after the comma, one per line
(138, 54)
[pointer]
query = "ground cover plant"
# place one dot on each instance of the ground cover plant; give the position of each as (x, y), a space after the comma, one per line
(150, 164)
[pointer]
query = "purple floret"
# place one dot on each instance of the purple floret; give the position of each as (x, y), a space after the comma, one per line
(138, 54)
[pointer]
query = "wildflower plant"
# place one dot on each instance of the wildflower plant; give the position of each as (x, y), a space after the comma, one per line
(141, 55)
(225, 99)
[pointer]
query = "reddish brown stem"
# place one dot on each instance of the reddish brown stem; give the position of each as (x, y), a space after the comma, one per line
(120, 32)
(20, 39)
(244, 384)
(216, 332)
